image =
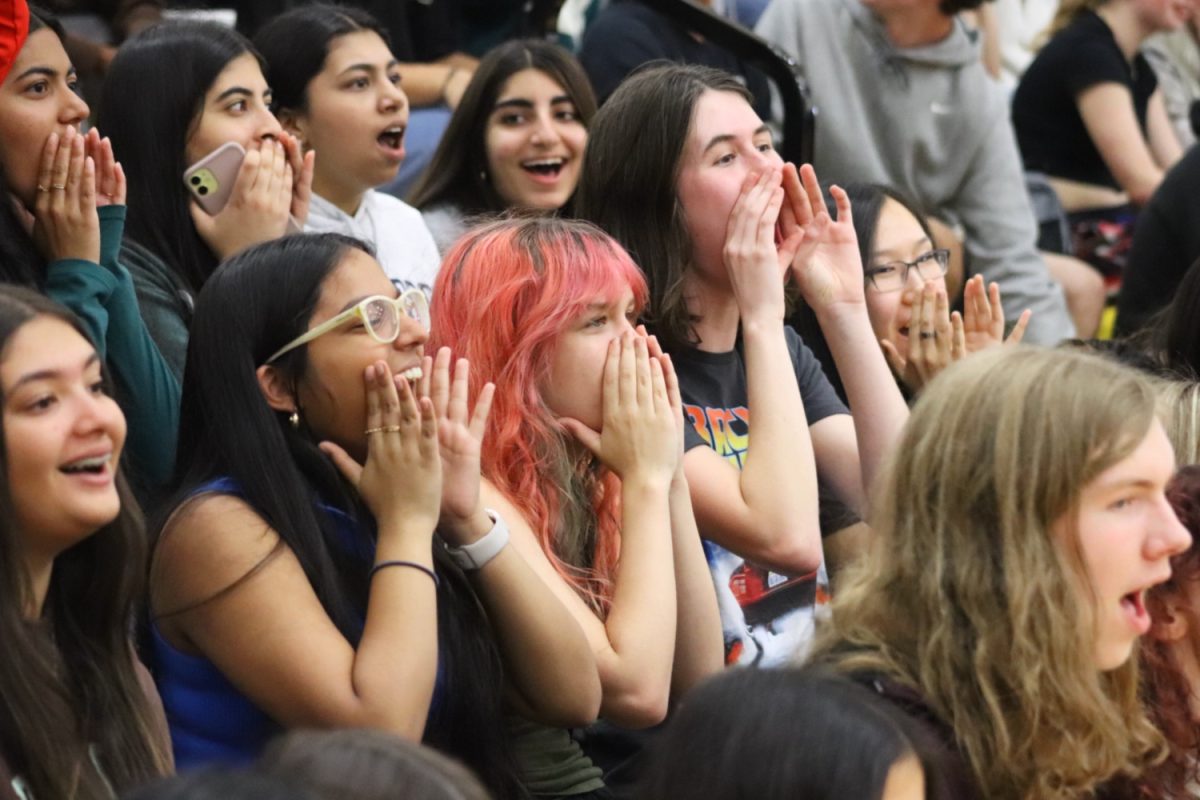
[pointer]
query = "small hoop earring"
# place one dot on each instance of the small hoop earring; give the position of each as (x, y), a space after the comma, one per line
(294, 419)
(483, 175)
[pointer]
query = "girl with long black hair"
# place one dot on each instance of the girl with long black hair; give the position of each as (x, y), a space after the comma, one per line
(286, 592)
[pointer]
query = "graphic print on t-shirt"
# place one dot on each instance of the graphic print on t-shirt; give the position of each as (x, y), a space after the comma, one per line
(767, 617)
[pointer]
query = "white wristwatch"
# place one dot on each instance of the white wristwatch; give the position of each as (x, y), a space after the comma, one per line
(473, 556)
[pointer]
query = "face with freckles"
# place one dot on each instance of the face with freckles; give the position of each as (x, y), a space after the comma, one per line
(726, 141)
(38, 98)
(1126, 534)
(899, 237)
(574, 385)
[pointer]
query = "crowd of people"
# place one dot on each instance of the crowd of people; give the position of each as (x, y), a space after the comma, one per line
(324, 481)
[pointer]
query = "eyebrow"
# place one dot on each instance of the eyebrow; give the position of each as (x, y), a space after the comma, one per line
(514, 102)
(231, 91)
(1126, 483)
(49, 374)
(924, 240)
(48, 72)
(365, 67)
(726, 137)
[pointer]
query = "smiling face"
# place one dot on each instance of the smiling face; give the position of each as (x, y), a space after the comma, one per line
(898, 237)
(574, 385)
(535, 142)
(725, 142)
(1127, 533)
(63, 436)
(237, 108)
(355, 118)
(37, 99)
(331, 393)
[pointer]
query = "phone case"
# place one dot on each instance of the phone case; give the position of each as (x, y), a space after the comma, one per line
(211, 179)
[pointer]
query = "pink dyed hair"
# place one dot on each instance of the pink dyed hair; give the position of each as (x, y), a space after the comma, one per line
(505, 293)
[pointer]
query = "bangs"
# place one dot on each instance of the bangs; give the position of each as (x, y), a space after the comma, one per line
(592, 267)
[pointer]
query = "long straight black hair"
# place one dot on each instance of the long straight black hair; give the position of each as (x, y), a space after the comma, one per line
(152, 99)
(20, 261)
(251, 306)
(67, 680)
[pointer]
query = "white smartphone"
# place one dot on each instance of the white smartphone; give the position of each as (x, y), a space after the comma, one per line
(211, 179)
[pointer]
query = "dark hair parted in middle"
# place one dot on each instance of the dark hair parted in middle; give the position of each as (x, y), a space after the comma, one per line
(296, 43)
(152, 101)
(630, 173)
(456, 175)
(67, 681)
(252, 305)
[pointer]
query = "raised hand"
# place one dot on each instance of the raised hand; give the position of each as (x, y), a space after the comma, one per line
(460, 436)
(302, 176)
(402, 477)
(110, 178)
(65, 221)
(640, 435)
(935, 339)
(674, 397)
(756, 264)
(983, 317)
(258, 209)
(827, 266)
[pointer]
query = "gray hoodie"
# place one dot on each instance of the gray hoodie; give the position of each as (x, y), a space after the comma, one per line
(930, 122)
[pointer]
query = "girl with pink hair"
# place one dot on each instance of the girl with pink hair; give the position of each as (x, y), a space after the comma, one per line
(585, 449)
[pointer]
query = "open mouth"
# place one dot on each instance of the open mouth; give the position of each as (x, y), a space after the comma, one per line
(93, 465)
(392, 138)
(412, 374)
(544, 167)
(903, 331)
(1134, 605)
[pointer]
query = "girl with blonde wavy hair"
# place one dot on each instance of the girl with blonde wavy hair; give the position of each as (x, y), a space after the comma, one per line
(1019, 524)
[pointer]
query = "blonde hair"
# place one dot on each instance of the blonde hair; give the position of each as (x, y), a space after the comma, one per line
(970, 597)
(1179, 411)
(1067, 11)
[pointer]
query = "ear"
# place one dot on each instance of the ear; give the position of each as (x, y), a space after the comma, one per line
(1173, 625)
(276, 390)
(295, 124)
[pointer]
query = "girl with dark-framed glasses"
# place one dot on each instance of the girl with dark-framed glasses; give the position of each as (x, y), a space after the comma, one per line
(906, 297)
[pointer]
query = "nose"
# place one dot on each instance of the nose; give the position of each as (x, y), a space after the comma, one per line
(412, 334)
(392, 97)
(266, 126)
(74, 110)
(98, 414)
(1170, 538)
(545, 133)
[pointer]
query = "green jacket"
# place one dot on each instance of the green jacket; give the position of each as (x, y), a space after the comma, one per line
(147, 389)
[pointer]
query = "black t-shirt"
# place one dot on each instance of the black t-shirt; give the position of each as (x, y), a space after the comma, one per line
(767, 618)
(1166, 243)
(1050, 130)
(626, 35)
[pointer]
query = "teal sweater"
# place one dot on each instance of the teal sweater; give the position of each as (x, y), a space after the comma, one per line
(147, 389)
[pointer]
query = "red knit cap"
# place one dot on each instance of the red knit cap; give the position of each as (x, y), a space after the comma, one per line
(14, 27)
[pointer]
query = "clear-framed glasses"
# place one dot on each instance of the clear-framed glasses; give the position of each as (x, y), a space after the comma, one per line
(380, 316)
(893, 275)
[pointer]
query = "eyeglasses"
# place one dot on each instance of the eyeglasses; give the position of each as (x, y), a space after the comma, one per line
(893, 276)
(380, 315)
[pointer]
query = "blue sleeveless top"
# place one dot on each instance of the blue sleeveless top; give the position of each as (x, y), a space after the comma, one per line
(209, 719)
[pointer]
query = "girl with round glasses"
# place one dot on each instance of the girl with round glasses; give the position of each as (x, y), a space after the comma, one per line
(298, 581)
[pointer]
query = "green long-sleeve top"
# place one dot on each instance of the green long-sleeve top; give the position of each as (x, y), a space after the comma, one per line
(146, 387)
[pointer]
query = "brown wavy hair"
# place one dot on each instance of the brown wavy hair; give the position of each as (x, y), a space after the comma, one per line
(970, 598)
(1168, 695)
